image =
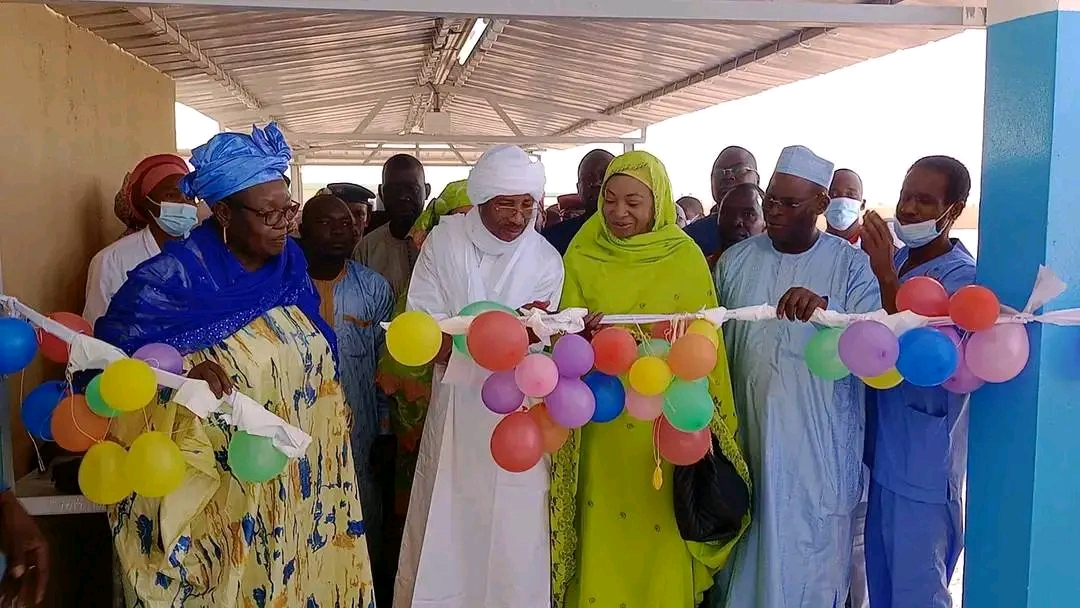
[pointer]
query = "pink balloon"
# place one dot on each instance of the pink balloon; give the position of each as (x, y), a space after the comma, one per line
(998, 354)
(963, 381)
(644, 408)
(536, 375)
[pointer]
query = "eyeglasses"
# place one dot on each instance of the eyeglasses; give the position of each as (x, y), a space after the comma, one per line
(274, 217)
(731, 174)
(509, 210)
(771, 201)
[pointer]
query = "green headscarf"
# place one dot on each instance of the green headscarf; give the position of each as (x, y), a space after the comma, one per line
(661, 271)
(453, 197)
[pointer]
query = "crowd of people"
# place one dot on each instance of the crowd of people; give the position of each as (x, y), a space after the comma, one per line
(856, 493)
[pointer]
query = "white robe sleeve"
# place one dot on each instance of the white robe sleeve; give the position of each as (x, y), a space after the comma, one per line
(549, 283)
(426, 291)
(99, 289)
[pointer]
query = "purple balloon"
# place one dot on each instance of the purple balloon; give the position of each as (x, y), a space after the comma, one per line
(574, 356)
(963, 381)
(868, 348)
(161, 356)
(571, 404)
(501, 394)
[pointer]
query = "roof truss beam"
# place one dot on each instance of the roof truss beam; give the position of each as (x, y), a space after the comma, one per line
(317, 141)
(195, 55)
(769, 12)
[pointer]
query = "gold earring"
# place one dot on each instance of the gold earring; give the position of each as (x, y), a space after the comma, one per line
(224, 234)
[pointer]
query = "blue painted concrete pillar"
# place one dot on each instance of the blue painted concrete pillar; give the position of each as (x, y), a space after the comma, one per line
(1023, 528)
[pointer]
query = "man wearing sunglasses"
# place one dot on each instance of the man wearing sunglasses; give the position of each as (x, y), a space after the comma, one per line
(733, 166)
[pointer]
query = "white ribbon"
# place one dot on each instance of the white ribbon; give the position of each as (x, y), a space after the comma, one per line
(237, 409)
(545, 325)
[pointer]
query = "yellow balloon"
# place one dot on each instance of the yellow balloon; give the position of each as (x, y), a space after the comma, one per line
(413, 338)
(102, 476)
(704, 328)
(887, 380)
(650, 376)
(128, 385)
(155, 466)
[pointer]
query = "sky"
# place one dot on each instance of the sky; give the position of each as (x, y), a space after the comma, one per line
(876, 117)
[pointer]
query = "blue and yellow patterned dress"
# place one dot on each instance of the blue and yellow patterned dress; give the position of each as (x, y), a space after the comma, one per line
(294, 542)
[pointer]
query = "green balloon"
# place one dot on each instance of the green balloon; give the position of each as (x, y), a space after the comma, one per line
(654, 348)
(94, 400)
(255, 459)
(688, 406)
(823, 356)
(471, 311)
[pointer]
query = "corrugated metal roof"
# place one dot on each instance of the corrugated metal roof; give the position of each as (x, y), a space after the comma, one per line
(321, 73)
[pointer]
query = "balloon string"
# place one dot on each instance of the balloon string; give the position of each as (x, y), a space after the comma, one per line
(33, 442)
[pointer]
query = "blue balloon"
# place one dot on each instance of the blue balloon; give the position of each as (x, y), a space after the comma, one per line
(37, 408)
(927, 357)
(609, 394)
(18, 345)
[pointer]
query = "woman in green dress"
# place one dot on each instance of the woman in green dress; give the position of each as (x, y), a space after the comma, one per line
(615, 542)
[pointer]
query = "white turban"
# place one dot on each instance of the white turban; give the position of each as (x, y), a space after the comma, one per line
(505, 170)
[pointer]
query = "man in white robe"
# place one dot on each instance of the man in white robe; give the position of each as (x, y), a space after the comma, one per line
(477, 536)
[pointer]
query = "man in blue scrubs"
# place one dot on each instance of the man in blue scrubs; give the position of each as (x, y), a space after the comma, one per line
(916, 442)
(732, 167)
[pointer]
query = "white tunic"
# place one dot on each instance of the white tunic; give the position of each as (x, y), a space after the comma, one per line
(475, 536)
(110, 267)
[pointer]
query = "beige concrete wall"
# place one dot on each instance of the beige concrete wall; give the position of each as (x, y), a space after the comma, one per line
(76, 114)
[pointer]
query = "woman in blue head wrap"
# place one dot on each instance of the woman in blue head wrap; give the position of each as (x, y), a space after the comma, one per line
(236, 300)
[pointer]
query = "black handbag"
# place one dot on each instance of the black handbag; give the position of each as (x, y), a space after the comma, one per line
(711, 498)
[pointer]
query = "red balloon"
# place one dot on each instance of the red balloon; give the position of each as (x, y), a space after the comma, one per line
(497, 340)
(974, 308)
(517, 443)
(615, 351)
(923, 296)
(54, 349)
(679, 448)
(662, 330)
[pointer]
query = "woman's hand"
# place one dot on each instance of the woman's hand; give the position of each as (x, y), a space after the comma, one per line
(27, 555)
(592, 324)
(215, 376)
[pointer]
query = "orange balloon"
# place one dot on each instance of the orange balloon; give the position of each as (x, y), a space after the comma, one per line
(54, 349)
(974, 308)
(923, 296)
(679, 448)
(615, 350)
(75, 427)
(692, 357)
(517, 443)
(497, 340)
(553, 435)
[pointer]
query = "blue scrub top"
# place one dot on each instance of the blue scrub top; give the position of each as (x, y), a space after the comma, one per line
(705, 234)
(916, 439)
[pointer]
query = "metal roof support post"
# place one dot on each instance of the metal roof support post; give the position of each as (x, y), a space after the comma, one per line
(1023, 447)
(296, 179)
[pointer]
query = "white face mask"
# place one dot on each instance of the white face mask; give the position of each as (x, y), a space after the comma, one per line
(843, 212)
(920, 233)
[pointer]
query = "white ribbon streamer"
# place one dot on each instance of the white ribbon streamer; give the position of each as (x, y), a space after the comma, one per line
(545, 325)
(237, 409)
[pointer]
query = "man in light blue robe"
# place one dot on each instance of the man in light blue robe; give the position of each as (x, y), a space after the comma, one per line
(802, 435)
(354, 300)
(916, 443)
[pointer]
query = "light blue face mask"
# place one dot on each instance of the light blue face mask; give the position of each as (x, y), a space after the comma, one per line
(842, 212)
(920, 233)
(177, 219)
